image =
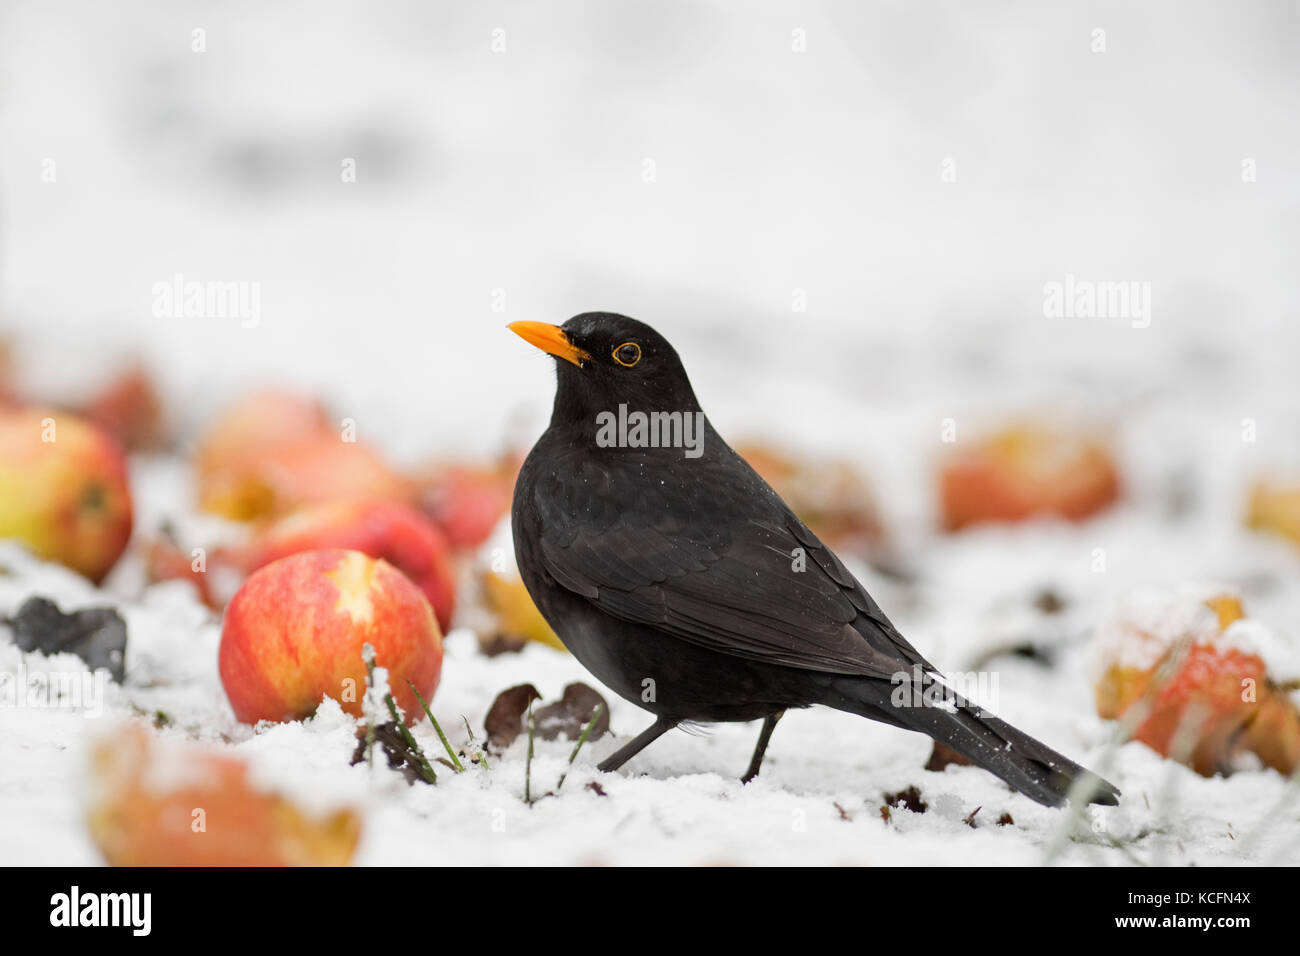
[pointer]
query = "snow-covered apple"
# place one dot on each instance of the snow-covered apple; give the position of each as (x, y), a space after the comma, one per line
(1193, 676)
(294, 633)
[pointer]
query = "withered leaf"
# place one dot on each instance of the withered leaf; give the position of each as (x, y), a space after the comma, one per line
(909, 799)
(942, 755)
(95, 634)
(565, 717)
(571, 713)
(505, 718)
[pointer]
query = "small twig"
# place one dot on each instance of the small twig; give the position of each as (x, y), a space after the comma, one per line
(459, 767)
(582, 739)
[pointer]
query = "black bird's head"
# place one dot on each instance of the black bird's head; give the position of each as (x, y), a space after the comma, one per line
(604, 359)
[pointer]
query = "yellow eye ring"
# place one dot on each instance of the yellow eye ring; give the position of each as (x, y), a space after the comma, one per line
(620, 354)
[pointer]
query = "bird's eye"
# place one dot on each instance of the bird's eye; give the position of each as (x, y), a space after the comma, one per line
(627, 354)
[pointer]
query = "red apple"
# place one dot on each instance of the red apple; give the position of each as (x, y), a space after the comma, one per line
(294, 634)
(258, 423)
(129, 409)
(390, 530)
(63, 489)
(1026, 471)
(467, 501)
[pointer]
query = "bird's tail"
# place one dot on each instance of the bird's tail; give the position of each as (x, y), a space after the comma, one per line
(1028, 765)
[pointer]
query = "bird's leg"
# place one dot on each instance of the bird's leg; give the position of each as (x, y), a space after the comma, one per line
(764, 735)
(644, 739)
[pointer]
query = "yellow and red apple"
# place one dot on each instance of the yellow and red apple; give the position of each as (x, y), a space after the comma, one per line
(273, 451)
(63, 489)
(294, 633)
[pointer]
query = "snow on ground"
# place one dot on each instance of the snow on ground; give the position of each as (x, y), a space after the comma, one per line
(817, 800)
(501, 186)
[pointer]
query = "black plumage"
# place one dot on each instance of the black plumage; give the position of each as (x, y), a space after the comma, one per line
(686, 585)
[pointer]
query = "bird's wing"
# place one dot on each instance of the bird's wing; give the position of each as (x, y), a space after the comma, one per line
(711, 555)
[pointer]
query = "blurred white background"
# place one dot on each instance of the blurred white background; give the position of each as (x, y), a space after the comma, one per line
(518, 176)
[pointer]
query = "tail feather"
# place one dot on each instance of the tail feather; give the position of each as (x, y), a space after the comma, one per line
(1028, 765)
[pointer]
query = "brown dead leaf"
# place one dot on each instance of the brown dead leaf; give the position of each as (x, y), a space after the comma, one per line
(572, 712)
(942, 755)
(910, 799)
(505, 718)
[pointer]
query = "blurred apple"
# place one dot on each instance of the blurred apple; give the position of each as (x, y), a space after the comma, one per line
(215, 577)
(63, 489)
(285, 477)
(1275, 506)
(831, 496)
(514, 617)
(1026, 471)
(8, 385)
(258, 423)
(273, 451)
(467, 501)
(155, 804)
(129, 409)
(396, 532)
(1189, 676)
(294, 632)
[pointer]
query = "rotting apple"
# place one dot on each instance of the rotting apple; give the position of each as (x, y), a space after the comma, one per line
(1189, 675)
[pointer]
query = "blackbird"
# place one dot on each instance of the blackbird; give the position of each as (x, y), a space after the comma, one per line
(683, 582)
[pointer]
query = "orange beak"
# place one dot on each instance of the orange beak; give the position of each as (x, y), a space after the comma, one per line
(550, 338)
